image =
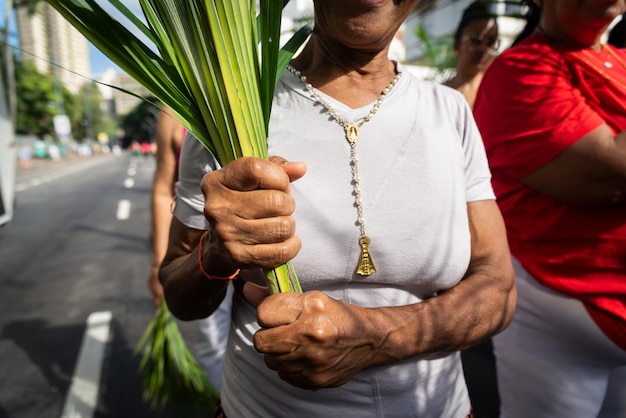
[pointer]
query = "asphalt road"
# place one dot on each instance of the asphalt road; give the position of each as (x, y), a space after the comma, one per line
(78, 244)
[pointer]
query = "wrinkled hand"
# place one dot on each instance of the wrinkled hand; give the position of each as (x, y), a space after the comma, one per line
(312, 340)
(249, 207)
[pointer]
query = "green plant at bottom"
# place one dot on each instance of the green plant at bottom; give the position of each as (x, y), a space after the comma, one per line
(170, 372)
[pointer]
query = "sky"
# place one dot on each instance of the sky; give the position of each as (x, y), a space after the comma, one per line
(99, 62)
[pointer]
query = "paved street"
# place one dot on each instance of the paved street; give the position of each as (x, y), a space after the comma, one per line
(69, 253)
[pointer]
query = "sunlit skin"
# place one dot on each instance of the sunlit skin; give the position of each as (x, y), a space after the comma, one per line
(472, 60)
(347, 57)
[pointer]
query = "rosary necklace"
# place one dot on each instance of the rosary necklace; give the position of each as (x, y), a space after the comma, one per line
(365, 267)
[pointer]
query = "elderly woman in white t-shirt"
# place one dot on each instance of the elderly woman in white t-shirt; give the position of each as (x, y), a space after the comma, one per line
(379, 192)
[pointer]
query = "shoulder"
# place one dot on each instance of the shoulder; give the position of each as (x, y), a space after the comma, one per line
(533, 56)
(430, 92)
(523, 77)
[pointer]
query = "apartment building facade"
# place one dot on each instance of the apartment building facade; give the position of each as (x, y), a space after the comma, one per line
(54, 45)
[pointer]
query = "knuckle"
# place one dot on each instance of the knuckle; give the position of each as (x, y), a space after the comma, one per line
(315, 300)
(287, 251)
(278, 202)
(255, 166)
(284, 228)
(213, 210)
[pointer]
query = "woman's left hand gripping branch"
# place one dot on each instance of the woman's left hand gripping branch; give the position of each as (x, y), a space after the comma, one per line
(312, 340)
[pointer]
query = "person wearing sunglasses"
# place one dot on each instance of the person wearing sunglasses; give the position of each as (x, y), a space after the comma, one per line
(475, 45)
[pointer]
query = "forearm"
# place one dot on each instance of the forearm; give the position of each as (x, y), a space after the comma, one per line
(591, 173)
(477, 308)
(161, 221)
(316, 342)
(189, 293)
(606, 172)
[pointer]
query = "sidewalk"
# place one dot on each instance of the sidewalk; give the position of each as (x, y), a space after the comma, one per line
(42, 165)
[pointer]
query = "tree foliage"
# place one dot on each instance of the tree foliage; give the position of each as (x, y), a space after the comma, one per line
(438, 51)
(140, 123)
(30, 5)
(39, 98)
(89, 118)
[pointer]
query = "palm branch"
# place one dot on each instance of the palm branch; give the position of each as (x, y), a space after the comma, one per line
(203, 62)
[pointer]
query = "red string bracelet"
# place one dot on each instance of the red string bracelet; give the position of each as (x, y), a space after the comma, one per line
(207, 275)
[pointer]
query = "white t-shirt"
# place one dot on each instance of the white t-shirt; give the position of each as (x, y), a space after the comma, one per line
(421, 160)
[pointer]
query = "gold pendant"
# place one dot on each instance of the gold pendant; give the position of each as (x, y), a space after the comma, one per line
(352, 133)
(366, 264)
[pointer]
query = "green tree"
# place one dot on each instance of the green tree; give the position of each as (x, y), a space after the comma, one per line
(38, 100)
(438, 51)
(140, 123)
(90, 118)
(8, 69)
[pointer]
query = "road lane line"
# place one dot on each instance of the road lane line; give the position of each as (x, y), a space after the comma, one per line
(123, 210)
(129, 183)
(82, 397)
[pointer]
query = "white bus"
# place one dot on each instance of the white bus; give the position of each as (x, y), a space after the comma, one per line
(8, 159)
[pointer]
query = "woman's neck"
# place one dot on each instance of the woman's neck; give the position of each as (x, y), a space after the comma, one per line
(353, 77)
(582, 39)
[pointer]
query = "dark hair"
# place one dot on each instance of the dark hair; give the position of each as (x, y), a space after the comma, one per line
(532, 21)
(617, 36)
(478, 10)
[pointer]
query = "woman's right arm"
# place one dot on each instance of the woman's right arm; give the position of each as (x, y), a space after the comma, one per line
(188, 292)
(590, 173)
(249, 209)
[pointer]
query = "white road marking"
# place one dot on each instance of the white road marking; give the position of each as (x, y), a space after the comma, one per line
(129, 183)
(82, 397)
(123, 210)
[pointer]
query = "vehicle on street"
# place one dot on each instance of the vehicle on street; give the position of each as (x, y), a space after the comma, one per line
(8, 160)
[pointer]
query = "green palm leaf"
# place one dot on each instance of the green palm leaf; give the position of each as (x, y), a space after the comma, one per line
(207, 71)
(204, 64)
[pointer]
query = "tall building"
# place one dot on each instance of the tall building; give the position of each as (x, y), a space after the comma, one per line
(124, 102)
(48, 39)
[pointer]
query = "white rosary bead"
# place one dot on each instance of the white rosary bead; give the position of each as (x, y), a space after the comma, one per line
(366, 266)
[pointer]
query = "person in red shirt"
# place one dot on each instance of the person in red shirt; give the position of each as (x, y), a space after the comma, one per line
(552, 113)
